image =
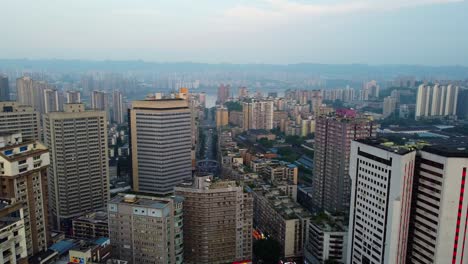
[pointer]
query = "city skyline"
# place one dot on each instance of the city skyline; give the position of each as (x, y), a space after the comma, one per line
(263, 31)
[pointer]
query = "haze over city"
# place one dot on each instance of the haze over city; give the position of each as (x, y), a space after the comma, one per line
(427, 32)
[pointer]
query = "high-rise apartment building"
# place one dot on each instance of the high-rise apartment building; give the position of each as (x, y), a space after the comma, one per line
(51, 101)
(333, 136)
(258, 114)
(389, 106)
(218, 218)
(146, 229)
(12, 233)
(118, 107)
(160, 144)
(33, 93)
(382, 178)
(16, 118)
(23, 177)
(224, 92)
(4, 88)
(73, 97)
(92, 225)
(436, 101)
(243, 92)
(79, 171)
(439, 217)
(222, 116)
(100, 101)
(462, 106)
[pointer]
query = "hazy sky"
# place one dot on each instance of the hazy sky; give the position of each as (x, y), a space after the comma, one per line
(433, 32)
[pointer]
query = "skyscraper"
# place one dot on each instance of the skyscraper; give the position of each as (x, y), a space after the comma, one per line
(439, 217)
(160, 144)
(146, 229)
(436, 101)
(4, 88)
(243, 92)
(118, 108)
(218, 220)
(30, 92)
(18, 118)
(382, 179)
(333, 135)
(25, 93)
(258, 114)
(23, 177)
(99, 101)
(73, 97)
(78, 172)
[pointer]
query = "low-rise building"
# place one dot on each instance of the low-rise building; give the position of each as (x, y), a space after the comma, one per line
(91, 225)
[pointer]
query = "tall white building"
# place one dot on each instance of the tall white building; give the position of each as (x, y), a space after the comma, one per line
(440, 214)
(79, 171)
(160, 143)
(73, 97)
(436, 101)
(380, 202)
(51, 100)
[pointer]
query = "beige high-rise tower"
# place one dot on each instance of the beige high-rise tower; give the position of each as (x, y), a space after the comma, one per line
(19, 118)
(78, 172)
(218, 218)
(23, 177)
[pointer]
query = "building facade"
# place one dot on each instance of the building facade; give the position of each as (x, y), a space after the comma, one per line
(91, 225)
(218, 218)
(146, 229)
(436, 101)
(382, 179)
(160, 144)
(79, 171)
(23, 177)
(118, 107)
(73, 97)
(12, 232)
(222, 116)
(333, 136)
(258, 114)
(16, 118)
(4, 88)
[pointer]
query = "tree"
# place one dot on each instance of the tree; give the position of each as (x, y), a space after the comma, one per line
(267, 250)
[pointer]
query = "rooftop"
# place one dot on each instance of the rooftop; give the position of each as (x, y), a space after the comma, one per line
(460, 151)
(381, 143)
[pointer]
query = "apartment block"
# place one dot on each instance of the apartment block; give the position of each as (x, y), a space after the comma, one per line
(277, 215)
(146, 229)
(79, 171)
(91, 225)
(333, 136)
(17, 118)
(12, 233)
(23, 178)
(222, 116)
(436, 101)
(258, 114)
(218, 216)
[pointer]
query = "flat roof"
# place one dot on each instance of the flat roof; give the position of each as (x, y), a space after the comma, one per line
(460, 151)
(386, 145)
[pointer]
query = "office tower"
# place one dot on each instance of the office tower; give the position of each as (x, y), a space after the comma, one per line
(13, 246)
(436, 101)
(146, 229)
(4, 88)
(440, 206)
(389, 106)
(217, 221)
(78, 172)
(382, 179)
(243, 92)
(51, 100)
(462, 106)
(91, 225)
(118, 108)
(258, 115)
(19, 118)
(327, 240)
(160, 144)
(23, 177)
(73, 97)
(333, 135)
(224, 92)
(222, 116)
